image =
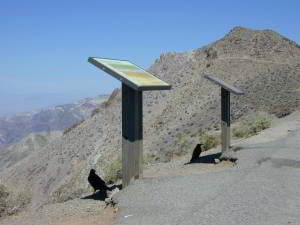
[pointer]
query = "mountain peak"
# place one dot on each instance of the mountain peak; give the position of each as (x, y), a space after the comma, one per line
(248, 34)
(240, 29)
(265, 44)
(245, 30)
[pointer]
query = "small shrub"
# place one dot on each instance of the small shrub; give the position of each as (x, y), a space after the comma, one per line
(113, 172)
(211, 53)
(209, 141)
(262, 122)
(149, 159)
(183, 143)
(74, 187)
(216, 126)
(3, 192)
(18, 201)
(66, 193)
(241, 132)
(12, 202)
(252, 126)
(3, 200)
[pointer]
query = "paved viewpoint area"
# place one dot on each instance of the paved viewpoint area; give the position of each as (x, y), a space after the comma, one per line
(264, 188)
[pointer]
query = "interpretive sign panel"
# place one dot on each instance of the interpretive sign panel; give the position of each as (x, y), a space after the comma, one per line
(130, 74)
(134, 80)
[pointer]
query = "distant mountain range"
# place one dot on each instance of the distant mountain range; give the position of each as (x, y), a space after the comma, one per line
(57, 118)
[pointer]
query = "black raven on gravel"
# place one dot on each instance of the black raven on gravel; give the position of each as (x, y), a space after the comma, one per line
(196, 153)
(96, 182)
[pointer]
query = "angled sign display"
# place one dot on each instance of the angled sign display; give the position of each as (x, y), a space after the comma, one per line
(130, 74)
(134, 80)
(226, 89)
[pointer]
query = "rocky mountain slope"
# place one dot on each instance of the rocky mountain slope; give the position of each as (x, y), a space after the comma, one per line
(27, 146)
(263, 63)
(14, 128)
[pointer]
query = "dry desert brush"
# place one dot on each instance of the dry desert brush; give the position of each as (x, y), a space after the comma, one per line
(252, 125)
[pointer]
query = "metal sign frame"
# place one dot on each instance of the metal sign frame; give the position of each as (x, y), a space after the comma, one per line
(132, 120)
(119, 75)
(226, 89)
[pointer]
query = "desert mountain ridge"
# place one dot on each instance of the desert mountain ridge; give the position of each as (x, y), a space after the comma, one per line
(263, 63)
(57, 118)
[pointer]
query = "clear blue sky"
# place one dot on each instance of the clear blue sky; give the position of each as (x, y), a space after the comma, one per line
(44, 45)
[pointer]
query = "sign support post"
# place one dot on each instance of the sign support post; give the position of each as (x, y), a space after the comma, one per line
(134, 80)
(225, 119)
(226, 89)
(132, 134)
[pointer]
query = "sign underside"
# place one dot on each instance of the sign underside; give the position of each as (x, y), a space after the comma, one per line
(130, 74)
(224, 85)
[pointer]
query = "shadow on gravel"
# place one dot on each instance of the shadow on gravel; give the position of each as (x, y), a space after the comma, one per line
(206, 159)
(101, 195)
(263, 160)
(278, 163)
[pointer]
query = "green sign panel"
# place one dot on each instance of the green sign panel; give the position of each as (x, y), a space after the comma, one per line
(130, 74)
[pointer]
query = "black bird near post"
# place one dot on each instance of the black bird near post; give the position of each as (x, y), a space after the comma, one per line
(96, 182)
(135, 81)
(196, 153)
(226, 89)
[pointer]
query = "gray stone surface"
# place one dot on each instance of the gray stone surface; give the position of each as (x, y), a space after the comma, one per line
(262, 189)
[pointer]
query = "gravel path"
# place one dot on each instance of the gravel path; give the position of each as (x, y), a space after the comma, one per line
(263, 189)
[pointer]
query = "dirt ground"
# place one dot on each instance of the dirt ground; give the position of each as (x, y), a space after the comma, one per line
(73, 212)
(105, 218)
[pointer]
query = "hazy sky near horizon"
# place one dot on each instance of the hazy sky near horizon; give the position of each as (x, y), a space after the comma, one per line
(44, 45)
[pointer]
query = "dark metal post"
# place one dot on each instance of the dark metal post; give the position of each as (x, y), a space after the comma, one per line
(132, 110)
(225, 116)
(132, 133)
